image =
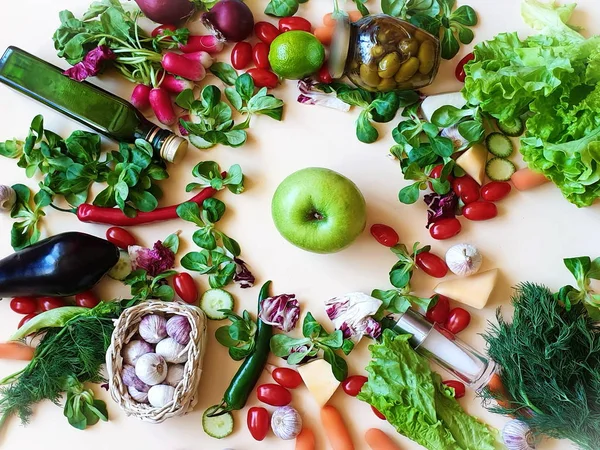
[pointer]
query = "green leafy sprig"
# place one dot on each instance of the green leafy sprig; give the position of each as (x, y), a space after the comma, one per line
(239, 336)
(144, 287)
(584, 269)
(82, 409)
(209, 174)
(26, 229)
(286, 8)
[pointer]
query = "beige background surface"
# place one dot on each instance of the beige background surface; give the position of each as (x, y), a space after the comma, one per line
(533, 232)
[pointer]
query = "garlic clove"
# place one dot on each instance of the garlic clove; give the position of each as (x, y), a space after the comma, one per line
(161, 395)
(178, 327)
(8, 198)
(130, 379)
(463, 259)
(134, 349)
(153, 328)
(174, 374)
(286, 423)
(172, 351)
(138, 396)
(517, 435)
(151, 369)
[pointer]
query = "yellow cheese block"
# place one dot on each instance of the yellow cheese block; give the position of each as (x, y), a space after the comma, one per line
(319, 380)
(474, 291)
(473, 162)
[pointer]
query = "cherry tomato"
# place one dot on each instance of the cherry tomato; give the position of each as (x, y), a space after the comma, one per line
(86, 299)
(445, 228)
(120, 237)
(458, 320)
(26, 319)
(266, 32)
(436, 172)
(286, 377)
(384, 234)
(323, 74)
(460, 67)
(273, 394)
(241, 55)
(352, 385)
(294, 23)
(263, 78)
(260, 55)
(159, 30)
(495, 190)
(24, 305)
(258, 422)
(438, 313)
(378, 413)
(480, 210)
(466, 188)
(185, 286)
(48, 303)
(431, 264)
(459, 388)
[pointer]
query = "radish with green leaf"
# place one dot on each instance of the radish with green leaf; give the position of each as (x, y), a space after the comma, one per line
(183, 67)
(162, 106)
(140, 97)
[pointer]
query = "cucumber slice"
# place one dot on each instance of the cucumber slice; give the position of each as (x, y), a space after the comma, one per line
(512, 127)
(122, 268)
(499, 169)
(499, 145)
(219, 426)
(213, 300)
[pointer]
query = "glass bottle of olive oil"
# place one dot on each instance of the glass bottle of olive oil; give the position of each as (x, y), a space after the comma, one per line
(94, 107)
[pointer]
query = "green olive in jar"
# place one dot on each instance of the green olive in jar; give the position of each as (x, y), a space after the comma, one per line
(426, 57)
(369, 75)
(409, 46)
(389, 65)
(407, 70)
(377, 51)
(386, 85)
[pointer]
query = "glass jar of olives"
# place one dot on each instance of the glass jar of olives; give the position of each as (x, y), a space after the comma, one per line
(381, 53)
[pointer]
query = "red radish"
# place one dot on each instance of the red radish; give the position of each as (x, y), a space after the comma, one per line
(263, 78)
(175, 85)
(166, 11)
(183, 67)
(260, 55)
(266, 32)
(204, 43)
(231, 19)
(162, 106)
(241, 55)
(183, 131)
(139, 96)
(202, 57)
(160, 30)
(294, 23)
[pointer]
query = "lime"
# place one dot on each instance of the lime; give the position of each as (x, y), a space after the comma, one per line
(296, 54)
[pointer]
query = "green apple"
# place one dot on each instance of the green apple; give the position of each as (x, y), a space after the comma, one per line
(319, 210)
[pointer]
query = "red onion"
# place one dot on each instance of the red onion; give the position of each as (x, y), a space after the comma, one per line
(231, 20)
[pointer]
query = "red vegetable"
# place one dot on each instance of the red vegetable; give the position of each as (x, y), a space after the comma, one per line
(183, 131)
(384, 234)
(480, 210)
(241, 55)
(175, 85)
(86, 299)
(459, 388)
(201, 57)
(203, 43)
(266, 32)
(140, 97)
(466, 188)
(294, 23)
(185, 286)
(378, 413)
(273, 394)
(26, 319)
(263, 78)
(431, 264)
(48, 303)
(181, 66)
(438, 313)
(460, 67)
(258, 422)
(323, 74)
(162, 106)
(24, 305)
(286, 377)
(166, 11)
(353, 384)
(436, 172)
(495, 191)
(160, 30)
(120, 237)
(260, 55)
(458, 320)
(445, 228)
(231, 19)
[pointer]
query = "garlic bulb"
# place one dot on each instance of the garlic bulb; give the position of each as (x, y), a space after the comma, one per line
(151, 368)
(458, 141)
(138, 396)
(517, 435)
(161, 395)
(178, 327)
(463, 259)
(8, 197)
(130, 379)
(153, 328)
(286, 423)
(174, 374)
(134, 349)
(172, 351)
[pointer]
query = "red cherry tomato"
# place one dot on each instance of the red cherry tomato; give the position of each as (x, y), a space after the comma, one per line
(480, 210)
(286, 377)
(258, 422)
(266, 32)
(120, 237)
(445, 228)
(384, 234)
(294, 23)
(438, 313)
(458, 320)
(260, 55)
(241, 55)
(495, 191)
(352, 385)
(460, 67)
(263, 78)
(86, 299)
(466, 188)
(323, 75)
(159, 30)
(459, 388)
(185, 286)
(431, 264)
(48, 303)
(26, 319)
(378, 414)
(24, 305)
(273, 394)
(436, 172)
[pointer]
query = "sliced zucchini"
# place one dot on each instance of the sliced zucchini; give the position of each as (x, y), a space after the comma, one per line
(512, 127)
(499, 145)
(122, 268)
(219, 426)
(213, 300)
(499, 169)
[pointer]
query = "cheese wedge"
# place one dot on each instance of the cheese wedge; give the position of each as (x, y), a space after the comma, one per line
(319, 380)
(474, 291)
(434, 102)
(473, 162)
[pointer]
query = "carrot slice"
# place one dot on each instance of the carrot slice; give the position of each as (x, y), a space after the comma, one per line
(16, 350)
(378, 440)
(336, 429)
(526, 178)
(305, 440)
(324, 34)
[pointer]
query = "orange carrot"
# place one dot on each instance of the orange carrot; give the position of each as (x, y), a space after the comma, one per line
(355, 15)
(16, 350)
(336, 430)
(329, 21)
(305, 440)
(499, 392)
(378, 440)
(324, 34)
(524, 179)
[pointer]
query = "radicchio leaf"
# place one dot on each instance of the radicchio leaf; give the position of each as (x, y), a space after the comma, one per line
(243, 276)
(440, 206)
(351, 313)
(154, 261)
(91, 65)
(281, 311)
(311, 95)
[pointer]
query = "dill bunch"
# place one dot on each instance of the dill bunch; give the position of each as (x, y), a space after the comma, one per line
(550, 358)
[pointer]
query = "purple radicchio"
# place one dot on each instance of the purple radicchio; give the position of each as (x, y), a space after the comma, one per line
(281, 311)
(154, 261)
(92, 64)
(351, 313)
(310, 94)
(243, 276)
(441, 206)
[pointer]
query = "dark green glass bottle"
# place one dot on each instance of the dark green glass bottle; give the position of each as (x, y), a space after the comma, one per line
(94, 107)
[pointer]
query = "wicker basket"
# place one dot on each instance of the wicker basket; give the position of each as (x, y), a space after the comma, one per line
(126, 328)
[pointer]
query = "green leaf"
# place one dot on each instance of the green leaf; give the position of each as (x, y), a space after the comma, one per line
(440, 186)
(428, 23)
(223, 337)
(409, 194)
(365, 132)
(225, 72)
(204, 238)
(579, 268)
(223, 276)
(164, 293)
(360, 5)
(450, 45)
(231, 245)
(594, 270)
(234, 98)
(448, 115)
(196, 261)
(472, 130)
(144, 201)
(244, 86)
(400, 274)
(347, 346)
(465, 35)
(282, 8)
(190, 212)
(11, 149)
(464, 15)
(334, 340)
(185, 99)
(339, 367)
(394, 8)
(235, 138)
(214, 209)
(172, 242)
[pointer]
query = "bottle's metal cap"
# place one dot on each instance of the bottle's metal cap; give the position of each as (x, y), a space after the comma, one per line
(339, 47)
(412, 323)
(173, 149)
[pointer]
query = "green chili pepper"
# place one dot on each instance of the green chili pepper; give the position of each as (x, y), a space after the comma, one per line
(54, 318)
(247, 376)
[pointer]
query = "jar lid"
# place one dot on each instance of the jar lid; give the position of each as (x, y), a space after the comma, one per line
(173, 149)
(412, 323)
(339, 47)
